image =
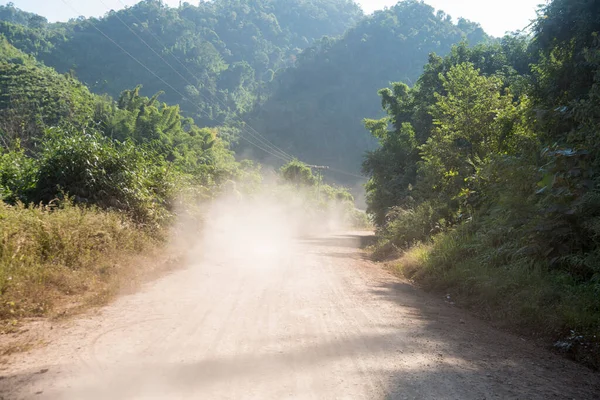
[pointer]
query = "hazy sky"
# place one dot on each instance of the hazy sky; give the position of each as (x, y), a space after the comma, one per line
(496, 16)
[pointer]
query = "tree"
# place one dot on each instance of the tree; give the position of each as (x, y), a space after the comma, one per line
(298, 173)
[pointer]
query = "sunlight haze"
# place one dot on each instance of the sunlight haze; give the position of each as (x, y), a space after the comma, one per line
(496, 17)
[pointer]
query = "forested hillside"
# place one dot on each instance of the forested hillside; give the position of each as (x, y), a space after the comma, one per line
(218, 55)
(276, 64)
(486, 179)
(119, 153)
(317, 107)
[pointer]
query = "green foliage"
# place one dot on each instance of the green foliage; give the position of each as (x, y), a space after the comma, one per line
(134, 155)
(97, 170)
(298, 173)
(440, 137)
(8, 53)
(410, 226)
(392, 167)
(10, 13)
(507, 170)
(316, 107)
(147, 122)
(17, 176)
(473, 121)
(33, 98)
(221, 49)
(566, 35)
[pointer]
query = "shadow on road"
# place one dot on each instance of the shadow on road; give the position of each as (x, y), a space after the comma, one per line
(427, 350)
(348, 240)
(469, 362)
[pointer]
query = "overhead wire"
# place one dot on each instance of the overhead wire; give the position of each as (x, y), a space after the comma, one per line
(339, 171)
(265, 145)
(250, 131)
(160, 42)
(168, 84)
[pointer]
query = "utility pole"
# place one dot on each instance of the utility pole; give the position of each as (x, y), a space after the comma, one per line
(319, 178)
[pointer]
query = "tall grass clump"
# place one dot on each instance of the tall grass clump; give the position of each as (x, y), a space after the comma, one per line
(50, 253)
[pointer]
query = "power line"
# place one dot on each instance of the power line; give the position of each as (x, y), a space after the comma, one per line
(270, 148)
(256, 135)
(327, 168)
(166, 83)
(339, 171)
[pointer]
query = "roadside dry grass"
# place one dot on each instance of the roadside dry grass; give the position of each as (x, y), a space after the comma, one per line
(55, 261)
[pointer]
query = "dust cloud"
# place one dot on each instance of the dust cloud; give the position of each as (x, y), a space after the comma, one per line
(266, 224)
(244, 250)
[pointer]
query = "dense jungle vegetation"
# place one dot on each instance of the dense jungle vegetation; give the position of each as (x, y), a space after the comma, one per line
(220, 55)
(303, 73)
(487, 177)
(316, 108)
(482, 158)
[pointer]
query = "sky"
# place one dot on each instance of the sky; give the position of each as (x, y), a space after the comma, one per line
(495, 16)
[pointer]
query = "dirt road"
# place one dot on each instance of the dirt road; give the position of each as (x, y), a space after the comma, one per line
(305, 319)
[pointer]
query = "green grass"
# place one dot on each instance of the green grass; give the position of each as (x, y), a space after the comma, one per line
(51, 256)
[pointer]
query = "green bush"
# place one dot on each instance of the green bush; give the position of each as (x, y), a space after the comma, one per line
(17, 176)
(297, 173)
(407, 227)
(96, 170)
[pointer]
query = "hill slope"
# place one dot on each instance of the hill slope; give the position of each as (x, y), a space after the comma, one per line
(317, 107)
(224, 48)
(230, 58)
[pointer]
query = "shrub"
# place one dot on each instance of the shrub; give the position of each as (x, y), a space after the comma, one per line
(112, 175)
(406, 227)
(17, 176)
(298, 173)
